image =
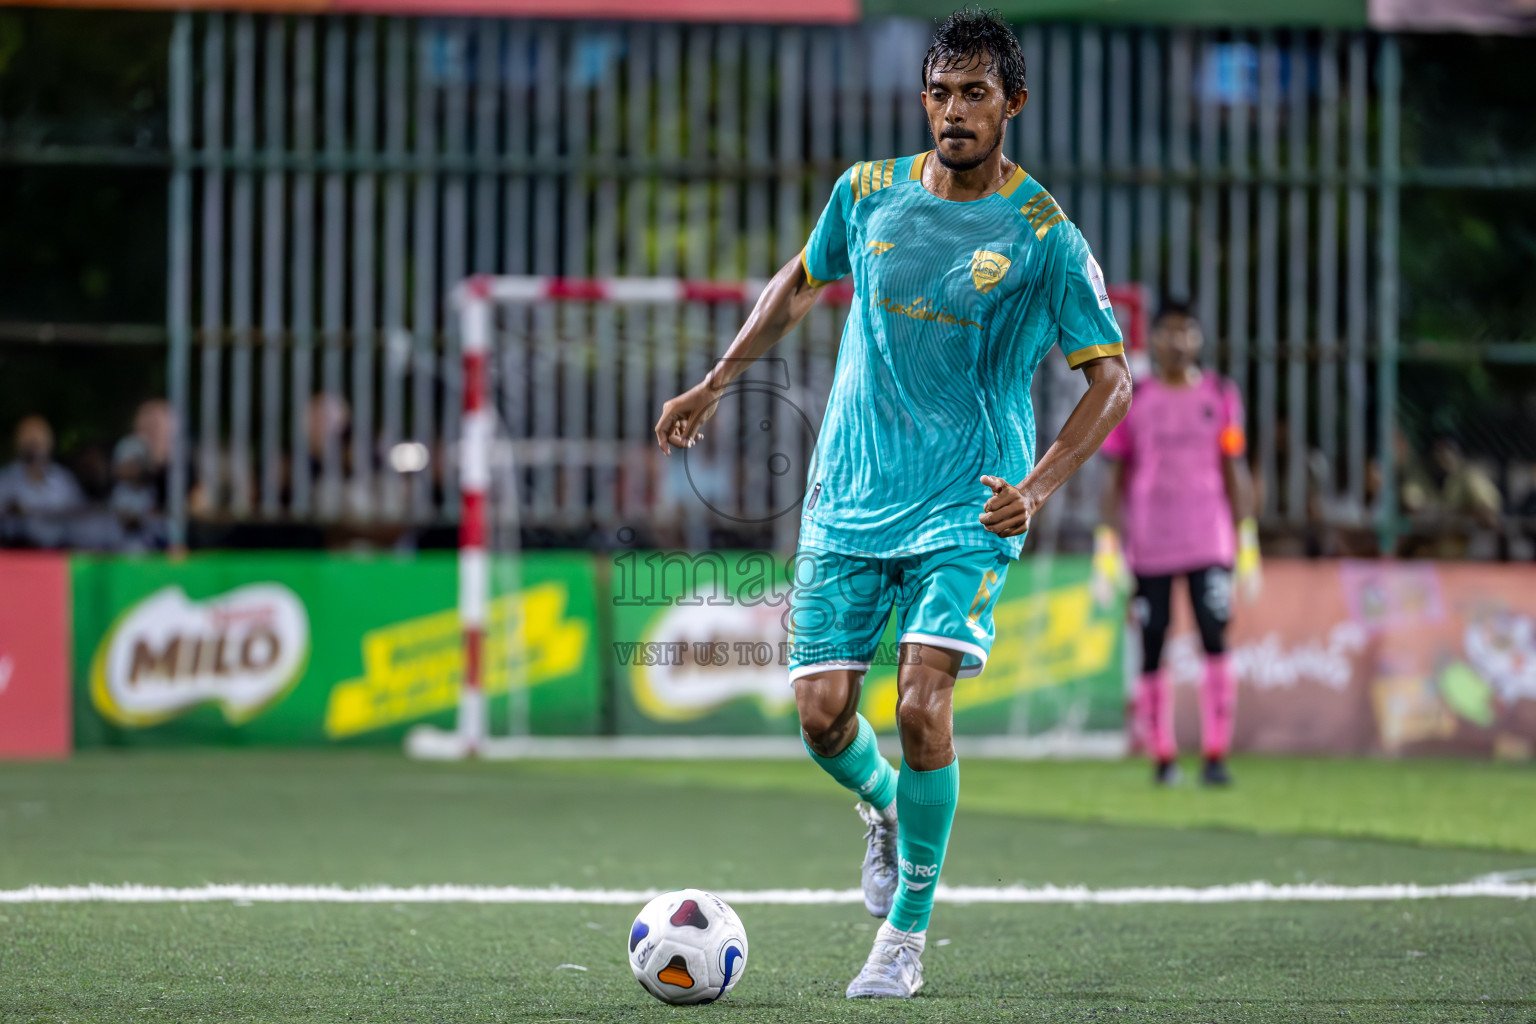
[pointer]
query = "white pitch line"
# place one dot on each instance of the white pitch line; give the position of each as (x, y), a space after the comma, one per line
(1247, 892)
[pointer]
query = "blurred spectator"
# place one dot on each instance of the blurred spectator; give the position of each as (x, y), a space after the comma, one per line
(154, 427)
(135, 503)
(1522, 477)
(37, 495)
(330, 426)
(1340, 526)
(133, 493)
(329, 429)
(1522, 506)
(1471, 503)
(1468, 489)
(1416, 490)
(91, 462)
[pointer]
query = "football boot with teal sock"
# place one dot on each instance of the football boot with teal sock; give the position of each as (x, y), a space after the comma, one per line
(861, 768)
(925, 803)
(894, 969)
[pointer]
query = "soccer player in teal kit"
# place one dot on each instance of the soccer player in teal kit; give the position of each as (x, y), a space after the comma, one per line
(966, 274)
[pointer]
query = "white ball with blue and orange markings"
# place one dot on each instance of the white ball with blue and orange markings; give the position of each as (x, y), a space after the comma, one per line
(687, 946)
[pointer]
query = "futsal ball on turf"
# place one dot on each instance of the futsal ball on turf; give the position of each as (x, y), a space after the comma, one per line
(687, 946)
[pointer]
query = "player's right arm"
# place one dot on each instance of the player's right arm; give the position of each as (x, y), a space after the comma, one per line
(782, 305)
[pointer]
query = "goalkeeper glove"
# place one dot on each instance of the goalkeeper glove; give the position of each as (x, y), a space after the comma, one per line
(1250, 574)
(1109, 577)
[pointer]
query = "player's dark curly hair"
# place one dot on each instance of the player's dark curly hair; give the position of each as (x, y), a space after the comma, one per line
(1174, 305)
(971, 35)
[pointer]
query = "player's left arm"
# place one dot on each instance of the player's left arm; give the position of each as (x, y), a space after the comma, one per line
(1239, 484)
(1105, 403)
(1239, 481)
(1071, 285)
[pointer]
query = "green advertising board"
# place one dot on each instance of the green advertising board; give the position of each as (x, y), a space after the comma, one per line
(699, 647)
(305, 649)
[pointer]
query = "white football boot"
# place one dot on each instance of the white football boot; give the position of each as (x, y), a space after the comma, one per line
(894, 969)
(880, 873)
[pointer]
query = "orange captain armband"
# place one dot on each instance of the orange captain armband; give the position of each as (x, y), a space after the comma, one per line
(1234, 443)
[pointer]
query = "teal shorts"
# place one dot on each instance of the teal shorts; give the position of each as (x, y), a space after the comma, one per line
(840, 604)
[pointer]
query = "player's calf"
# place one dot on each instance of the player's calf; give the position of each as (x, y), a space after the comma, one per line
(860, 767)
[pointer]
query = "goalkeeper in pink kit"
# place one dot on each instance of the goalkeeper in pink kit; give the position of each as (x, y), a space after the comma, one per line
(1181, 493)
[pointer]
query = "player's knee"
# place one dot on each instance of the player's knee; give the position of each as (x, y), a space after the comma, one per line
(1154, 620)
(926, 743)
(820, 724)
(921, 717)
(1213, 608)
(827, 707)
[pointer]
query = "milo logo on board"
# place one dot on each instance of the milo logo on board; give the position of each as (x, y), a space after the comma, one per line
(168, 654)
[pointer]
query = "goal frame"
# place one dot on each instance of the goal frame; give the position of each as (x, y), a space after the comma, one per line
(473, 303)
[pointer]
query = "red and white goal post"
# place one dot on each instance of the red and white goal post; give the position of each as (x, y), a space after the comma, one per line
(475, 301)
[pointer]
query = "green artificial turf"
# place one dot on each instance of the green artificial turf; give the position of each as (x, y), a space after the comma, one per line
(359, 818)
(1445, 802)
(1462, 961)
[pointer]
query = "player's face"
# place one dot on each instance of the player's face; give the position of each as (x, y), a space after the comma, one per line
(967, 112)
(1177, 341)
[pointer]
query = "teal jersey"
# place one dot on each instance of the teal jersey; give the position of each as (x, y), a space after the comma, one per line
(955, 305)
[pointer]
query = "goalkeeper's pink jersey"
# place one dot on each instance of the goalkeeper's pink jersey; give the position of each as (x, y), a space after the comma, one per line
(1173, 443)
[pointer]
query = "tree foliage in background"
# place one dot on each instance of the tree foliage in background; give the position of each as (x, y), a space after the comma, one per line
(81, 244)
(1468, 256)
(83, 77)
(87, 243)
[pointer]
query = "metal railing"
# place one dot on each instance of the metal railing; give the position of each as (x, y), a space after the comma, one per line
(331, 178)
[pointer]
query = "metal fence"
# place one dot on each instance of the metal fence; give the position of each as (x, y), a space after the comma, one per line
(333, 178)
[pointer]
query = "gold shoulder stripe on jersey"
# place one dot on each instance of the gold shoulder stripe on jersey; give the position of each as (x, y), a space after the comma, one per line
(1029, 205)
(870, 177)
(917, 166)
(1042, 213)
(1041, 230)
(1040, 209)
(881, 248)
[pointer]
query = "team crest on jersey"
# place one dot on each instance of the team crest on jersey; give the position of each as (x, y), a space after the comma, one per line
(988, 268)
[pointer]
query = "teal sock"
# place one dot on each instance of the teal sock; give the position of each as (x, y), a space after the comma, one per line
(861, 768)
(925, 811)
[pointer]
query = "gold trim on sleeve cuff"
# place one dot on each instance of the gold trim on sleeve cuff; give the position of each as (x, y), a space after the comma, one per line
(816, 282)
(1078, 357)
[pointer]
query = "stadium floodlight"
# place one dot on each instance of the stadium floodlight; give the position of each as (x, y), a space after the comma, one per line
(486, 457)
